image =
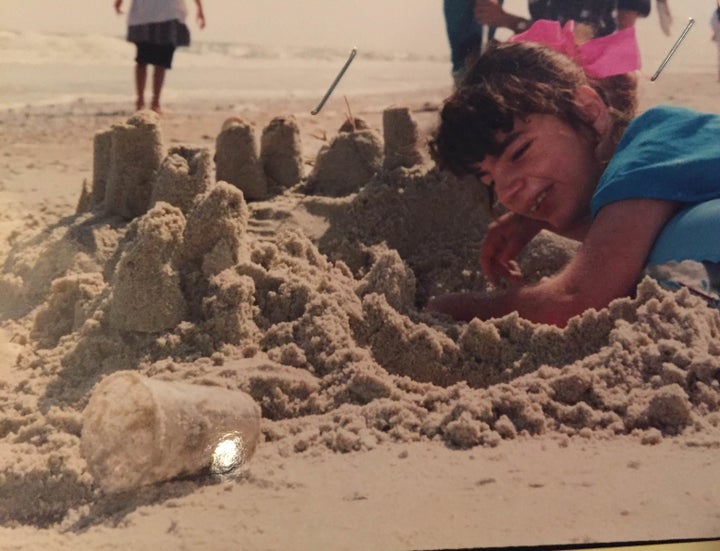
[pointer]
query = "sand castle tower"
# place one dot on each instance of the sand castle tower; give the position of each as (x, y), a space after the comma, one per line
(281, 153)
(236, 159)
(401, 139)
(184, 174)
(348, 162)
(146, 284)
(136, 152)
(215, 239)
(215, 233)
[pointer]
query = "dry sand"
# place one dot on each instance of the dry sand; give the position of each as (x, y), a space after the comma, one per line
(382, 427)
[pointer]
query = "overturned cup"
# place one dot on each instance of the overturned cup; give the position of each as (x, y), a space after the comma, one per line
(138, 431)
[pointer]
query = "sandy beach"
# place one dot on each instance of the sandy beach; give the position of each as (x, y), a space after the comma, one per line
(382, 427)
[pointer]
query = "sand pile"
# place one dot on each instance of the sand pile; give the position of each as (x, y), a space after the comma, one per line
(327, 333)
(352, 157)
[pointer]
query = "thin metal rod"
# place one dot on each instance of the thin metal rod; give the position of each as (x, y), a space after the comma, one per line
(335, 82)
(691, 22)
(484, 38)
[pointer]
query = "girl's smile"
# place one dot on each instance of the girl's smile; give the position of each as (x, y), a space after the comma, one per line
(547, 170)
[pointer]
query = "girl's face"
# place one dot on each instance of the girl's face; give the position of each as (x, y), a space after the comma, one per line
(546, 171)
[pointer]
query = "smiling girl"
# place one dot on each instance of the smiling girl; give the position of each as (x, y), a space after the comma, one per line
(560, 152)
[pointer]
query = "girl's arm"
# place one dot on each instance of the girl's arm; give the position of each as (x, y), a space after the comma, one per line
(506, 237)
(606, 267)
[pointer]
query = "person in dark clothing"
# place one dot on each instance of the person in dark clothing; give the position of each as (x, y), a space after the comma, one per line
(156, 27)
(593, 18)
(465, 34)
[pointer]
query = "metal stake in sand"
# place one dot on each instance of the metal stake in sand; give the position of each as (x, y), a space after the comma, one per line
(484, 38)
(335, 82)
(691, 22)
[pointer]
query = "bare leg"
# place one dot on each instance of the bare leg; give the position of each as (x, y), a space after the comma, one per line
(158, 79)
(140, 79)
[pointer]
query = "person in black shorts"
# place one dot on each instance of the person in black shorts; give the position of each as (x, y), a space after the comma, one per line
(157, 28)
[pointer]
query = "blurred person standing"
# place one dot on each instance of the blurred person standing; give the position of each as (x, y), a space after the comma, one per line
(628, 12)
(157, 28)
(664, 16)
(465, 35)
(593, 18)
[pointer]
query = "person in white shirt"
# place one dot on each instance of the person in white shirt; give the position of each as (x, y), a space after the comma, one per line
(156, 27)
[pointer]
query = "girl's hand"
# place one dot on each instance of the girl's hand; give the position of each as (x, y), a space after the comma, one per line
(118, 6)
(506, 237)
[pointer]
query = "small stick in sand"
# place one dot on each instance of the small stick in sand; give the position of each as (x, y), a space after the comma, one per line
(335, 82)
(691, 22)
(349, 114)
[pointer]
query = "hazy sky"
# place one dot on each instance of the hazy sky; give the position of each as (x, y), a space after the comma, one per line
(403, 25)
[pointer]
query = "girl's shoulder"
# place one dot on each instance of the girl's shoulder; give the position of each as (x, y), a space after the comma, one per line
(663, 112)
(670, 153)
(670, 120)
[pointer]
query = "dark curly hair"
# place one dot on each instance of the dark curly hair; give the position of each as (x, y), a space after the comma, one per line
(512, 81)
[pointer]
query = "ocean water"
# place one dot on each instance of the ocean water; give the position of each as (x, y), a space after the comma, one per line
(49, 68)
(43, 67)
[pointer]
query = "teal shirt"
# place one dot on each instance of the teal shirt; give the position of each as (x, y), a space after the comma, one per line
(673, 154)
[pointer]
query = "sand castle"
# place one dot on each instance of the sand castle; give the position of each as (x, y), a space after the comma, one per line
(163, 275)
(401, 139)
(237, 160)
(347, 162)
(281, 154)
(136, 152)
(184, 175)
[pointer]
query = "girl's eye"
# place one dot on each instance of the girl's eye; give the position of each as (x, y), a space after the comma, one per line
(521, 151)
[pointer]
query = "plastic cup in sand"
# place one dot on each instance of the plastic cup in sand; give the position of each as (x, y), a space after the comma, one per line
(138, 431)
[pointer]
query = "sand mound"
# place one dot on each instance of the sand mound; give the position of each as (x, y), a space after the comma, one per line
(343, 166)
(326, 334)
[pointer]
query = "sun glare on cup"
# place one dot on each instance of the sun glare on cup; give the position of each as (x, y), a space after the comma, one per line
(228, 455)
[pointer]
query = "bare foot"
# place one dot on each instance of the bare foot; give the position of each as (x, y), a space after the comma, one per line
(139, 104)
(156, 108)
